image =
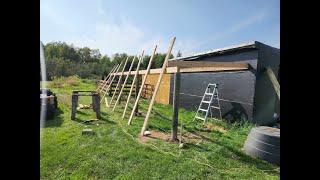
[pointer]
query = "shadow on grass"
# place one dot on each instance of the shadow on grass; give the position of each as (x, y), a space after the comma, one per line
(229, 152)
(160, 116)
(56, 121)
(259, 164)
(105, 118)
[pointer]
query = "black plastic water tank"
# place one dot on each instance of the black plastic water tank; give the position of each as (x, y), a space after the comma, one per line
(264, 142)
(48, 103)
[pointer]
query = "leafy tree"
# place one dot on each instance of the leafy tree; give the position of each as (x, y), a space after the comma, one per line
(159, 59)
(66, 60)
(61, 50)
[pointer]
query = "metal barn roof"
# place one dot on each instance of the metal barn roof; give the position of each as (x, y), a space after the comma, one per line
(228, 49)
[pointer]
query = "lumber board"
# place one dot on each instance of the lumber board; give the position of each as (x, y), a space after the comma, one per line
(274, 81)
(172, 70)
(104, 83)
(132, 84)
(163, 95)
(163, 69)
(119, 80)
(190, 64)
(106, 79)
(124, 84)
(142, 84)
(108, 87)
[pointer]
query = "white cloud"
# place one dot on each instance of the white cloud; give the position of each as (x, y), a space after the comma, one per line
(113, 35)
(100, 10)
(112, 38)
(47, 12)
(245, 23)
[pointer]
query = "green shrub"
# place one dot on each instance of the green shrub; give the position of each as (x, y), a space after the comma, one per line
(59, 82)
(73, 80)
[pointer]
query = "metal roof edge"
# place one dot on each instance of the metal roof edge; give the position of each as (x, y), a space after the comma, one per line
(250, 44)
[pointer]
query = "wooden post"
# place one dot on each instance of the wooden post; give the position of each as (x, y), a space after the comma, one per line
(132, 84)
(114, 75)
(175, 105)
(274, 81)
(124, 83)
(119, 81)
(145, 123)
(96, 104)
(142, 84)
(74, 105)
(136, 111)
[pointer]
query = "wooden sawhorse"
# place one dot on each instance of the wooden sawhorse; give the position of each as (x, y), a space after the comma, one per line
(95, 102)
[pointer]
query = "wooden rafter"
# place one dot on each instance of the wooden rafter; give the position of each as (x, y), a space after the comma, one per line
(132, 84)
(119, 80)
(274, 81)
(110, 83)
(124, 84)
(142, 84)
(105, 82)
(163, 69)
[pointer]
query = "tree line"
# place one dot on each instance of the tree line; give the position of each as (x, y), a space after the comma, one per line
(63, 59)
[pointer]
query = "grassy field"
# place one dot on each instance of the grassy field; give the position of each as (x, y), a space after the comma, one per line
(116, 153)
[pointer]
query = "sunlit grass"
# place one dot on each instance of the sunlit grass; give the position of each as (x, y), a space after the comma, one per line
(114, 151)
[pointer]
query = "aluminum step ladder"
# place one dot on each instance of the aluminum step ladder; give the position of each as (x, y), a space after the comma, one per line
(209, 96)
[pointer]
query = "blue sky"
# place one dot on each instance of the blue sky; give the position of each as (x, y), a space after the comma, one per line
(116, 26)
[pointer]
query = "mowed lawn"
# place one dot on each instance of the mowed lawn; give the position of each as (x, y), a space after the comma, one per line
(115, 152)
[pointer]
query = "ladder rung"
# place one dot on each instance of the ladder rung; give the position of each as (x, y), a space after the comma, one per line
(203, 110)
(208, 94)
(215, 107)
(197, 117)
(206, 101)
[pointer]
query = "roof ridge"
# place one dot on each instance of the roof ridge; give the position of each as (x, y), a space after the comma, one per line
(236, 46)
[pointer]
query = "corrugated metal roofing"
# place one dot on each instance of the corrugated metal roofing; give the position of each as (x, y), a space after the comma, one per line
(248, 45)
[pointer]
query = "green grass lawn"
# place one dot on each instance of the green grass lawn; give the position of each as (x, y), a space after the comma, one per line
(115, 153)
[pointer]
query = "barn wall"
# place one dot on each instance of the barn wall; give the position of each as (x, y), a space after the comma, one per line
(163, 94)
(236, 91)
(265, 96)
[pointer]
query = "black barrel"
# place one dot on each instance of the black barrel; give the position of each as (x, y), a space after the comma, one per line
(264, 142)
(48, 103)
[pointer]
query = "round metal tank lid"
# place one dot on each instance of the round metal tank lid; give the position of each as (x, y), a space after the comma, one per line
(267, 130)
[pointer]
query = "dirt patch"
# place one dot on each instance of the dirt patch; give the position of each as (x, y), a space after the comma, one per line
(187, 137)
(155, 135)
(158, 135)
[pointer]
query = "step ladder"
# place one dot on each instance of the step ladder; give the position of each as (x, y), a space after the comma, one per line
(209, 96)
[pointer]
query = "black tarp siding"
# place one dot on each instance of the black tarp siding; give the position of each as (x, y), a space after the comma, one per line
(244, 94)
(236, 88)
(236, 102)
